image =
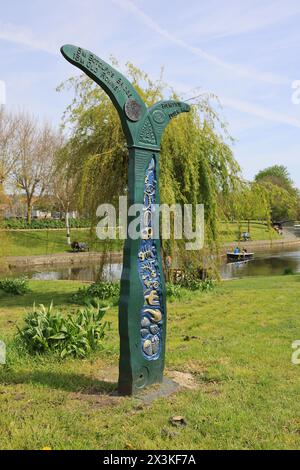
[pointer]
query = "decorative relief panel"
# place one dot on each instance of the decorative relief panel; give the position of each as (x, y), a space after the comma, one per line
(149, 274)
(147, 135)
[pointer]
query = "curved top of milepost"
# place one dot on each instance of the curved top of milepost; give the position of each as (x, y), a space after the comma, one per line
(127, 101)
(137, 120)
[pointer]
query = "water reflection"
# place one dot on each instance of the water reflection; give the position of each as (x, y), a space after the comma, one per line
(88, 273)
(264, 264)
(270, 264)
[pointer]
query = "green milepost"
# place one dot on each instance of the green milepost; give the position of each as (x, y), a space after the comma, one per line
(142, 307)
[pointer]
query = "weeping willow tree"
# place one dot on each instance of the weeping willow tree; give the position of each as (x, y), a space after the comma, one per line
(249, 201)
(4, 238)
(197, 163)
(258, 200)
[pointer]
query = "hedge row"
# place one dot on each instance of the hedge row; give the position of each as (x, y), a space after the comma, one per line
(44, 223)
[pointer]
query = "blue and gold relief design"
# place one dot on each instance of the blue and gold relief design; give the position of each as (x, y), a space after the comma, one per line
(149, 274)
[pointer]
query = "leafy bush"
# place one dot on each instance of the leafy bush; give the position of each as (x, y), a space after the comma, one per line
(207, 285)
(97, 291)
(103, 291)
(44, 224)
(194, 284)
(18, 286)
(288, 271)
(179, 290)
(173, 291)
(75, 335)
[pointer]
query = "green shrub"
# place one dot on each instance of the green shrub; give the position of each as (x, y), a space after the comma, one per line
(75, 335)
(193, 283)
(207, 285)
(288, 271)
(173, 291)
(44, 224)
(18, 286)
(97, 291)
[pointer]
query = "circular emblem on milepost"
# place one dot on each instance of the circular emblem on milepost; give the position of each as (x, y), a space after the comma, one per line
(159, 116)
(133, 110)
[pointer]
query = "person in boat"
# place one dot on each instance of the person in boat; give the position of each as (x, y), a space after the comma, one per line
(244, 252)
(236, 250)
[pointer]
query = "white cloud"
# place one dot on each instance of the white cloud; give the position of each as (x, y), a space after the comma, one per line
(87, 23)
(242, 106)
(260, 112)
(24, 36)
(214, 21)
(199, 52)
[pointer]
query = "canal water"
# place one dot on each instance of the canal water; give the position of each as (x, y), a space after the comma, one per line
(84, 272)
(270, 263)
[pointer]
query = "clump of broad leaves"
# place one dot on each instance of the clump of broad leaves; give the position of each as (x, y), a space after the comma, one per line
(99, 291)
(17, 286)
(75, 335)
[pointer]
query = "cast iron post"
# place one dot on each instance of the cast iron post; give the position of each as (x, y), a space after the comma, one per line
(142, 307)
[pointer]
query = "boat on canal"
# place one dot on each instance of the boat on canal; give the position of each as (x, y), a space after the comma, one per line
(237, 257)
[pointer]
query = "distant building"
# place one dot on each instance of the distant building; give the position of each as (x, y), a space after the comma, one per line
(13, 206)
(38, 214)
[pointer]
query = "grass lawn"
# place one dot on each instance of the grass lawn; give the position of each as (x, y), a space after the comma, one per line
(229, 232)
(45, 242)
(235, 341)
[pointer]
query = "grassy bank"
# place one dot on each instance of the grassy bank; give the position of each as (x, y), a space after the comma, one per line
(43, 242)
(230, 232)
(235, 341)
(46, 242)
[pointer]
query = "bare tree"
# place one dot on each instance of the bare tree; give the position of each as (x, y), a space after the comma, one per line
(35, 149)
(64, 187)
(8, 129)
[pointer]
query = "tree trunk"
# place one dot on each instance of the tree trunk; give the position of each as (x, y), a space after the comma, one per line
(29, 212)
(239, 231)
(68, 229)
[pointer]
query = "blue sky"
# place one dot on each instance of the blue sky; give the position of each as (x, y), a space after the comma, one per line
(244, 51)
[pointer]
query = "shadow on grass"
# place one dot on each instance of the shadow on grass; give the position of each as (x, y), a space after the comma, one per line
(69, 382)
